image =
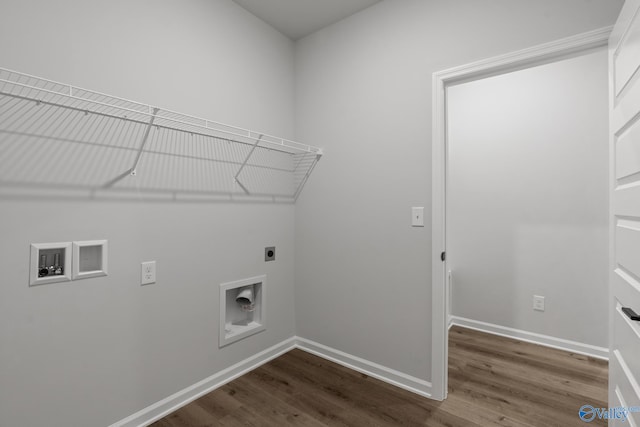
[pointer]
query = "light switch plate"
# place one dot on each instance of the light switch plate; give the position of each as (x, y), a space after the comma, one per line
(148, 273)
(417, 217)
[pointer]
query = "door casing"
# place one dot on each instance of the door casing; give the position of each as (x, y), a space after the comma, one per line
(522, 59)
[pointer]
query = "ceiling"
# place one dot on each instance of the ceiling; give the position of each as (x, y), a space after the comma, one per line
(298, 18)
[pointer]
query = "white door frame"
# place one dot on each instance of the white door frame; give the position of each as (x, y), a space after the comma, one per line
(522, 59)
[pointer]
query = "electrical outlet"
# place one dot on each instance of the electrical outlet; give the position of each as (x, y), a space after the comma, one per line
(270, 253)
(538, 303)
(148, 273)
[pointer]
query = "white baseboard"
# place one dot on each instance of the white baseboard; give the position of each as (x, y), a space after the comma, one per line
(421, 387)
(535, 338)
(160, 409)
(391, 376)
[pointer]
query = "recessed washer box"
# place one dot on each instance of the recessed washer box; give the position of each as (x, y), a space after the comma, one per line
(90, 259)
(50, 263)
(242, 309)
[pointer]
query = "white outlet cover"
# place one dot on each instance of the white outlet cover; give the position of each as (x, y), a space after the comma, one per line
(538, 303)
(148, 273)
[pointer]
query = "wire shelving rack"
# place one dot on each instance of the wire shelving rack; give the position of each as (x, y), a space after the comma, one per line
(59, 135)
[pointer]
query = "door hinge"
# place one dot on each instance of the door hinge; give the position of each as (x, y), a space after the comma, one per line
(443, 256)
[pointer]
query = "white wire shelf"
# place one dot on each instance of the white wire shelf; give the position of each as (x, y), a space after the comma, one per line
(54, 134)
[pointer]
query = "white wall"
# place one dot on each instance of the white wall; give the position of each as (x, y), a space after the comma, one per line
(528, 198)
(364, 93)
(91, 352)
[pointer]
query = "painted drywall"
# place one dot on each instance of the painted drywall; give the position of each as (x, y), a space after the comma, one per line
(363, 91)
(528, 198)
(92, 352)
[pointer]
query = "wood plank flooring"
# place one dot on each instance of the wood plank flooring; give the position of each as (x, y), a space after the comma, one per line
(493, 381)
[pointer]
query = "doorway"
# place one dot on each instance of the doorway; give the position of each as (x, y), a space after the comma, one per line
(442, 82)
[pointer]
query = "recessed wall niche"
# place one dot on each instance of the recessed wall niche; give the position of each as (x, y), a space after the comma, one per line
(50, 263)
(89, 259)
(242, 309)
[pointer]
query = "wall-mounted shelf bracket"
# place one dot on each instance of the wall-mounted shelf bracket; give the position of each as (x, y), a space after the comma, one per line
(317, 158)
(144, 141)
(133, 170)
(235, 178)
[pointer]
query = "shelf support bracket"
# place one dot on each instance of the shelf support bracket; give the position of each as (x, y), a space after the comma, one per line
(235, 178)
(144, 141)
(306, 176)
(133, 171)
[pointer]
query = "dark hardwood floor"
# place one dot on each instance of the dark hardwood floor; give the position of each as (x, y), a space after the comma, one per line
(493, 381)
